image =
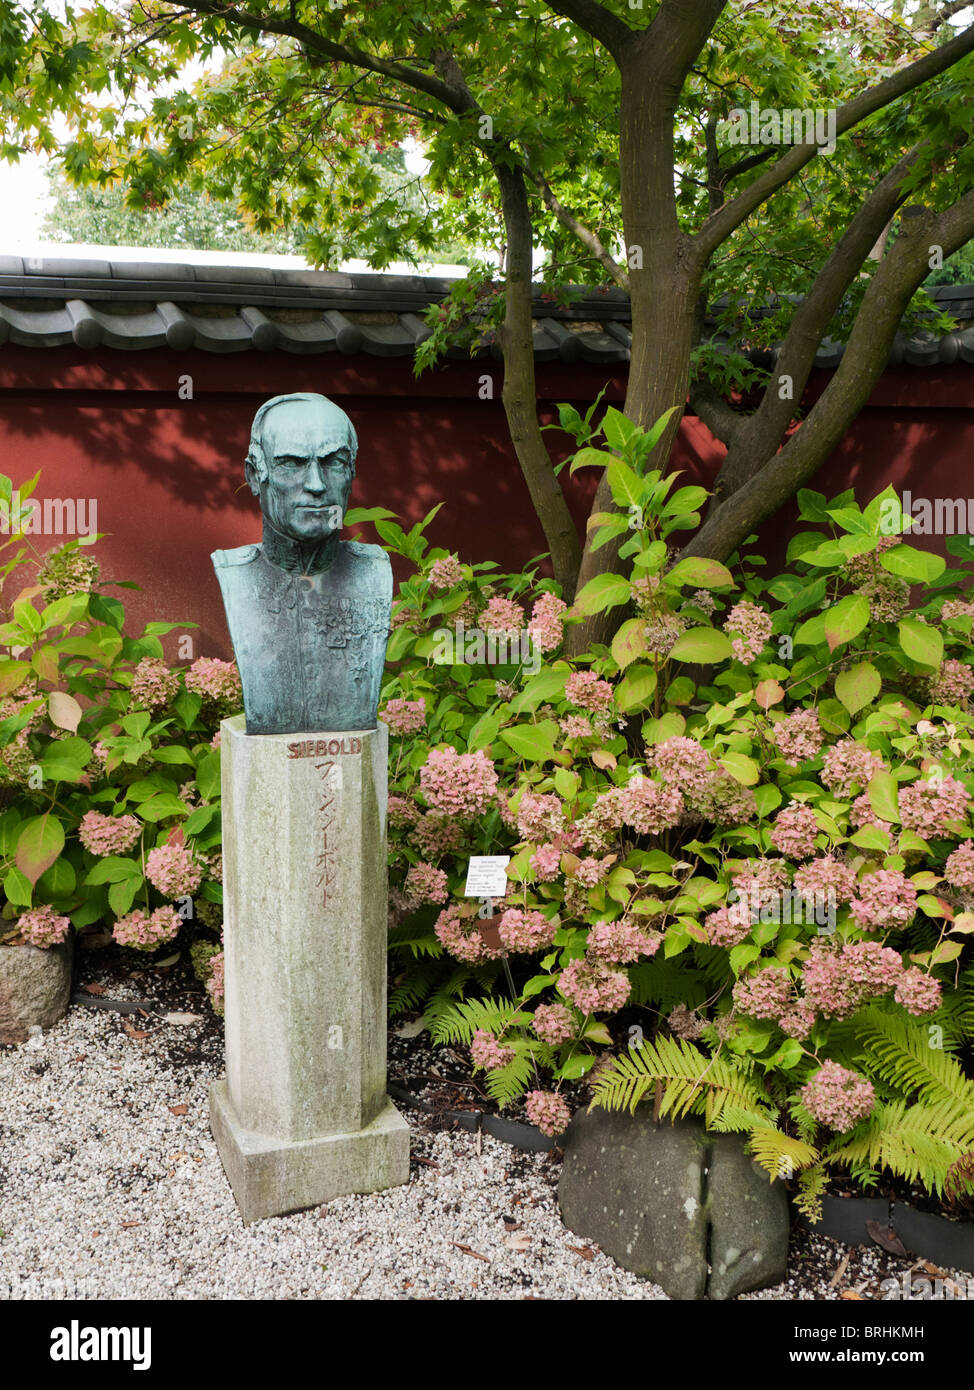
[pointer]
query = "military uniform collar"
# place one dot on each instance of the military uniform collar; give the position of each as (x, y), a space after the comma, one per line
(298, 557)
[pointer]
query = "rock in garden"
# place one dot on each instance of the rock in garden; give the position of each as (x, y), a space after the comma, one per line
(658, 1198)
(35, 987)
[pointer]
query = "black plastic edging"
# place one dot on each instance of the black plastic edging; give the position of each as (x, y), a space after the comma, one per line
(528, 1138)
(949, 1244)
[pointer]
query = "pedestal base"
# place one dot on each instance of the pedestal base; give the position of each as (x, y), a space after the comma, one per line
(271, 1177)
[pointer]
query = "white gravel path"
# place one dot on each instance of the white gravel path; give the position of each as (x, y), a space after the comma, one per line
(105, 1194)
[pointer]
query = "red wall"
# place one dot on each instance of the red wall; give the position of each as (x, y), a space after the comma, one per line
(167, 474)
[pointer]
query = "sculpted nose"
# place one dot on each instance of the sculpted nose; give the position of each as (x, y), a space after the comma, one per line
(314, 478)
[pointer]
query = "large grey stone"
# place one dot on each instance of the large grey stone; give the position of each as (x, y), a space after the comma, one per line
(35, 988)
(637, 1190)
(749, 1221)
(305, 968)
(686, 1208)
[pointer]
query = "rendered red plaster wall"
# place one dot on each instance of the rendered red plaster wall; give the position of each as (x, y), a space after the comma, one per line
(167, 473)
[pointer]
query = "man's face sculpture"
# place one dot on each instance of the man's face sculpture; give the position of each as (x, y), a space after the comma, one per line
(308, 468)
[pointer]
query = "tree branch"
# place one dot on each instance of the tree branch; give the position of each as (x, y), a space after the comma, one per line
(721, 224)
(596, 20)
(587, 237)
(892, 287)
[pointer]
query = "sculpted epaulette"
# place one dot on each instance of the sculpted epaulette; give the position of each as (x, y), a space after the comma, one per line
(242, 555)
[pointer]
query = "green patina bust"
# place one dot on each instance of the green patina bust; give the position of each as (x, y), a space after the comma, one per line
(308, 612)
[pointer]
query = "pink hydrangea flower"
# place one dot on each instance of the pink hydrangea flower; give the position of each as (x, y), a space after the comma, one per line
(458, 784)
(798, 737)
(886, 900)
(41, 926)
(173, 870)
(405, 716)
(601, 825)
(540, 817)
(593, 987)
(825, 875)
(215, 981)
(153, 684)
(622, 942)
(797, 1021)
(446, 573)
(576, 726)
(952, 684)
(546, 625)
(837, 1097)
(765, 994)
(847, 764)
(545, 863)
(548, 1111)
(527, 931)
(591, 871)
(587, 691)
(215, 740)
(750, 627)
(402, 812)
(728, 927)
(794, 831)
(426, 884)
(104, 835)
(928, 807)
(959, 869)
(144, 932)
(861, 813)
(216, 681)
(553, 1023)
(458, 934)
(650, 807)
(434, 835)
(487, 1052)
(918, 993)
(837, 983)
(502, 615)
(682, 762)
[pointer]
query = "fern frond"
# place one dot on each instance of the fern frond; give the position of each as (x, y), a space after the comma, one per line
(458, 1023)
(507, 1083)
(779, 1154)
(695, 1083)
(808, 1198)
(915, 1142)
(422, 943)
(896, 1048)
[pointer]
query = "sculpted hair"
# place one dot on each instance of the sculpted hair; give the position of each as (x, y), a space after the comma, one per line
(255, 454)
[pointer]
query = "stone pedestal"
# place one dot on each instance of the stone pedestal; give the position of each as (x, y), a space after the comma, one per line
(303, 1114)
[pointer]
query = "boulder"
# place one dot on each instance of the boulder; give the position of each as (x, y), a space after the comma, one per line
(689, 1210)
(35, 988)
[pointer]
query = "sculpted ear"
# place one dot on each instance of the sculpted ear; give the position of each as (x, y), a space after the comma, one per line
(254, 473)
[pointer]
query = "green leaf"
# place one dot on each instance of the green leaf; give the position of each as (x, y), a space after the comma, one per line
(635, 688)
(921, 642)
(17, 887)
(484, 732)
(39, 842)
(858, 686)
(533, 742)
(884, 798)
(918, 566)
(187, 706)
(199, 819)
(58, 881)
(114, 868)
(122, 895)
(742, 768)
(845, 620)
(700, 573)
(602, 592)
(173, 753)
(627, 486)
(705, 645)
(160, 807)
(617, 429)
(548, 684)
(208, 775)
(629, 642)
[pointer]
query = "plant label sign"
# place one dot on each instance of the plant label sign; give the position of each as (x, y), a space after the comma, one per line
(487, 876)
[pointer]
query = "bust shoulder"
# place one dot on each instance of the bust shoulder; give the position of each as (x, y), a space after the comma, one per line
(242, 555)
(372, 554)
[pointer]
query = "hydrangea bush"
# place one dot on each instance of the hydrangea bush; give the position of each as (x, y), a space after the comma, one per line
(741, 836)
(109, 765)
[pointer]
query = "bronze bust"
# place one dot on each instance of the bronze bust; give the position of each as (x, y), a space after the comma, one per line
(308, 612)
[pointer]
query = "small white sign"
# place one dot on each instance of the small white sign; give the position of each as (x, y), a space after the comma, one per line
(487, 876)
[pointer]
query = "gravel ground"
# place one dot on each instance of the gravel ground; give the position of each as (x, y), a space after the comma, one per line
(111, 1187)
